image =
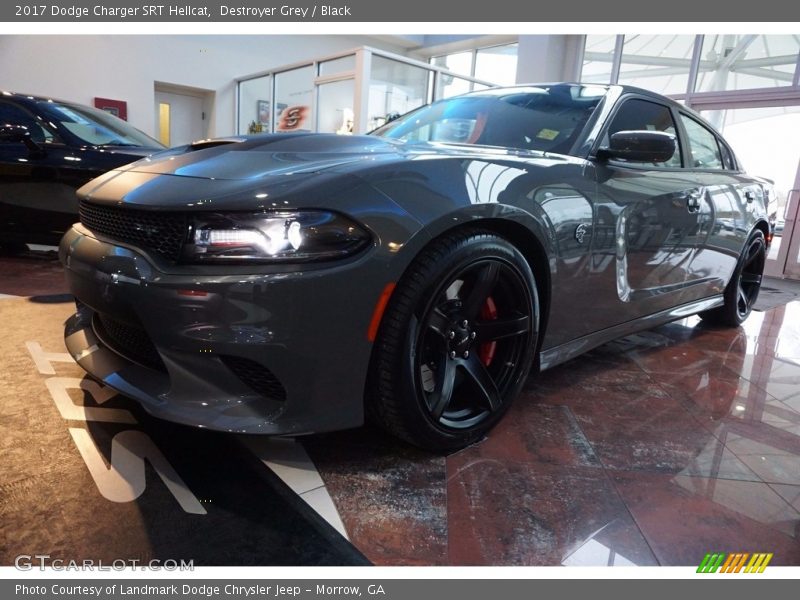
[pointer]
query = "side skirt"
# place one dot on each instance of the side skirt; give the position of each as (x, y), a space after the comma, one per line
(555, 356)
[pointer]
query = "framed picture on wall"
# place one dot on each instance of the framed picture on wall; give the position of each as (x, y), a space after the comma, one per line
(262, 109)
(118, 108)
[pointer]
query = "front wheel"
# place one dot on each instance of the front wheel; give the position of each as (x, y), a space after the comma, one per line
(456, 342)
(742, 291)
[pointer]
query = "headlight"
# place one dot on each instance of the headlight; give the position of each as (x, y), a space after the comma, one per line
(298, 236)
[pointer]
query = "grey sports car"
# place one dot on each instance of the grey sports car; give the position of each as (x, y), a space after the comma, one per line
(297, 283)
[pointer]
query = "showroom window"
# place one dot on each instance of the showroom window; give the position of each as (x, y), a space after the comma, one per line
(353, 92)
(254, 105)
(658, 62)
(335, 102)
(459, 62)
(494, 63)
(395, 88)
(740, 62)
(682, 65)
(598, 58)
(293, 91)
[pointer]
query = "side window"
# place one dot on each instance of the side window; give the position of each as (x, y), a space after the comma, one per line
(703, 144)
(727, 156)
(14, 115)
(641, 115)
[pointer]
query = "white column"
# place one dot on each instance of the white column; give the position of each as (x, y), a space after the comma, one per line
(548, 58)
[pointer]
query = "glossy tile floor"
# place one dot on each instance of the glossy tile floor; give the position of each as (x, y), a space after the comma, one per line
(654, 449)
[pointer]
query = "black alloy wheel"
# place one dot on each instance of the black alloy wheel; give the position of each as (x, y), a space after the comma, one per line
(742, 291)
(457, 341)
(749, 281)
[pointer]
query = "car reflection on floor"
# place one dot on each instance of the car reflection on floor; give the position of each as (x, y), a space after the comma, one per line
(648, 450)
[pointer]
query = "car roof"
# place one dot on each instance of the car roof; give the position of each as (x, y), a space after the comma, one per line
(31, 98)
(618, 92)
(620, 89)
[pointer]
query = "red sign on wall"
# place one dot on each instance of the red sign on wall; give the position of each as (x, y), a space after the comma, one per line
(293, 118)
(118, 108)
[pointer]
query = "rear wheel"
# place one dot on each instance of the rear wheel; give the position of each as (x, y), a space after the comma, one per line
(742, 290)
(456, 342)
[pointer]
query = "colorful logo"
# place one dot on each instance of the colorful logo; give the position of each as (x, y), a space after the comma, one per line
(735, 562)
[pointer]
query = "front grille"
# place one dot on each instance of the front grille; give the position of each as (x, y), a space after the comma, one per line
(256, 376)
(130, 341)
(160, 232)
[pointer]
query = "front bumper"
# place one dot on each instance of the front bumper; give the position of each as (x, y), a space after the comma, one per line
(306, 328)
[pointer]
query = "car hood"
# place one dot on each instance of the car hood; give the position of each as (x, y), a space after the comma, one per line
(266, 171)
(264, 156)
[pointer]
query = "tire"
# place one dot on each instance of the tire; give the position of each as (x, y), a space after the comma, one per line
(456, 342)
(742, 290)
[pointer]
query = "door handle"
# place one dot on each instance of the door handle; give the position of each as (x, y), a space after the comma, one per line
(693, 198)
(749, 195)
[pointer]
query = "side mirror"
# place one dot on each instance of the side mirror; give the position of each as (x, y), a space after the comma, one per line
(640, 146)
(14, 134)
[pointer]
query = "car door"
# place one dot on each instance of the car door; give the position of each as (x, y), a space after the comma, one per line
(651, 208)
(727, 196)
(37, 186)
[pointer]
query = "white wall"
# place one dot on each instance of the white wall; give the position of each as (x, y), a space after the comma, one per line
(125, 67)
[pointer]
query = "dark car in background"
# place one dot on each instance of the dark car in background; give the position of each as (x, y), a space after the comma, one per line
(48, 149)
(296, 283)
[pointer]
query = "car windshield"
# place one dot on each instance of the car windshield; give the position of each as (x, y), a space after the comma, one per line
(96, 127)
(546, 118)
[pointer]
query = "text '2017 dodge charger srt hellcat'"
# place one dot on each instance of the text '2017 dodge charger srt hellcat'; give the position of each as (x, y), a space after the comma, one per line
(290, 284)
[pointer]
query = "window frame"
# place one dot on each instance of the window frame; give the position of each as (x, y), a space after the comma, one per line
(691, 95)
(474, 58)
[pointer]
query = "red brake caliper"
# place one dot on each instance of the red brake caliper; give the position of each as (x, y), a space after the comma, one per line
(487, 350)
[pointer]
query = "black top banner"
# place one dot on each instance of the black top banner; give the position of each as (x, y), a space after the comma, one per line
(355, 11)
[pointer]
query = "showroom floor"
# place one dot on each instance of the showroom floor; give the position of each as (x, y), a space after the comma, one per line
(651, 450)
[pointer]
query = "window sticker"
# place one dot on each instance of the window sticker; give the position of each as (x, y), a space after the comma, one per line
(547, 134)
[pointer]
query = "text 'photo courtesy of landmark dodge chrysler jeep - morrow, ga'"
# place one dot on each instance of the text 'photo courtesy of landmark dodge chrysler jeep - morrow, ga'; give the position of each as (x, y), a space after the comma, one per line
(298, 283)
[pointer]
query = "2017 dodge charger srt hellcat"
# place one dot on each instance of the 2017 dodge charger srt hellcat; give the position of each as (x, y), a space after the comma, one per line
(290, 284)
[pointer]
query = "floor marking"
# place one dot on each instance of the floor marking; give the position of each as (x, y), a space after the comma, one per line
(289, 461)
